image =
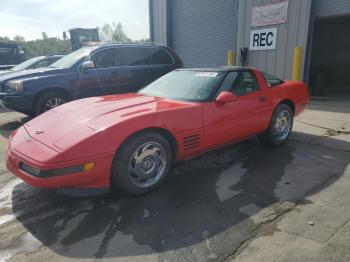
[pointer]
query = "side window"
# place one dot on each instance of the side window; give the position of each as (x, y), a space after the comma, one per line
(44, 63)
(271, 80)
(104, 58)
(53, 60)
(240, 83)
(227, 83)
(132, 56)
(158, 56)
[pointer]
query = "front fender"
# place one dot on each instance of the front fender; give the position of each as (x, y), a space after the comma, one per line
(177, 123)
(37, 85)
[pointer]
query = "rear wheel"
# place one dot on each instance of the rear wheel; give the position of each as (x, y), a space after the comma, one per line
(141, 164)
(280, 126)
(49, 100)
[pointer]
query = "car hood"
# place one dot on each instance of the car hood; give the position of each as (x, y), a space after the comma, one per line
(28, 73)
(73, 122)
(5, 72)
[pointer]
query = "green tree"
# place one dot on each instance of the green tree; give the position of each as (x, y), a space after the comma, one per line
(143, 40)
(4, 38)
(45, 37)
(19, 39)
(114, 32)
(47, 46)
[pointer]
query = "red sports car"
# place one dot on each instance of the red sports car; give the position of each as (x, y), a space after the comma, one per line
(129, 141)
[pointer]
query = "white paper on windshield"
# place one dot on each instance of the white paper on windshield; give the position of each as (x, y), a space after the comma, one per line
(206, 74)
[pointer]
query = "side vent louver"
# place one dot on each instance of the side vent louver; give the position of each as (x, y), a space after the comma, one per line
(191, 142)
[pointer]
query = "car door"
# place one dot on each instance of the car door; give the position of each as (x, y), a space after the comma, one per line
(239, 119)
(134, 68)
(113, 79)
(93, 81)
(160, 63)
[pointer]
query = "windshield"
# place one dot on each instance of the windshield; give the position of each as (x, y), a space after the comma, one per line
(26, 64)
(185, 85)
(69, 60)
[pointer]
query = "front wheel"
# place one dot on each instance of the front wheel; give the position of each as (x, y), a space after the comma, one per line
(280, 126)
(141, 164)
(49, 100)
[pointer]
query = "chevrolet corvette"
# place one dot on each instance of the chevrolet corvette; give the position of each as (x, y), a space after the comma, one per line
(129, 141)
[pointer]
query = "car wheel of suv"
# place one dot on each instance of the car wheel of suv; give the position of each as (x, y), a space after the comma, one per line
(280, 126)
(49, 100)
(141, 164)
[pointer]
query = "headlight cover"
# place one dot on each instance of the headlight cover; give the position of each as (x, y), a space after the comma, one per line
(57, 172)
(15, 85)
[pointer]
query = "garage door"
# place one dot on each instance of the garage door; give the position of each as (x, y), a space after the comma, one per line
(327, 8)
(329, 71)
(203, 31)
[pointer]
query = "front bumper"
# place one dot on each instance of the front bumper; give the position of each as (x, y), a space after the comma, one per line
(98, 177)
(20, 103)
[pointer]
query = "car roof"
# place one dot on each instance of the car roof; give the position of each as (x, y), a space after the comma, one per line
(54, 55)
(134, 44)
(217, 69)
(38, 57)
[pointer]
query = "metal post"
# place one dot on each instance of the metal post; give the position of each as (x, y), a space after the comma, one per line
(297, 63)
(230, 60)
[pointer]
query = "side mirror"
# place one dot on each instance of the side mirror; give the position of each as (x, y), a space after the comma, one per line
(87, 65)
(226, 97)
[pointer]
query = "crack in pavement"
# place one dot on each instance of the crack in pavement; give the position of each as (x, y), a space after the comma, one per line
(259, 229)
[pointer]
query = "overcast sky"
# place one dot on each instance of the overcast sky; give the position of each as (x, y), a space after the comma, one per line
(29, 18)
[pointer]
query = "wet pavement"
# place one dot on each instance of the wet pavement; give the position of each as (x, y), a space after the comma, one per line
(244, 202)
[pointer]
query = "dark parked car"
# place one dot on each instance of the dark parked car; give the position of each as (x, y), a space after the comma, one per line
(33, 63)
(90, 71)
(11, 53)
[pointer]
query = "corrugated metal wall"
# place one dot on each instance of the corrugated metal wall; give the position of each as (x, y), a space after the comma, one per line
(158, 21)
(328, 8)
(280, 61)
(203, 31)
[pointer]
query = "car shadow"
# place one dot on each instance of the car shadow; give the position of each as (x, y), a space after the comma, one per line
(203, 198)
(8, 127)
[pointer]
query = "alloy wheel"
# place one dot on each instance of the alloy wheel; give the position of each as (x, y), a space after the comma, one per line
(54, 102)
(282, 125)
(147, 165)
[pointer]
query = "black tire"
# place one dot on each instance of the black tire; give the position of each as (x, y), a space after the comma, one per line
(41, 103)
(122, 180)
(270, 137)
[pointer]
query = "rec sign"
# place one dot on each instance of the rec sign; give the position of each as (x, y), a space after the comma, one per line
(264, 39)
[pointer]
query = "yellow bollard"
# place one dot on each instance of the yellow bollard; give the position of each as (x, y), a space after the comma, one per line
(230, 57)
(297, 63)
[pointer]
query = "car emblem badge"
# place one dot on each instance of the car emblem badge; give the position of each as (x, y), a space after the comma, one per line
(27, 138)
(38, 131)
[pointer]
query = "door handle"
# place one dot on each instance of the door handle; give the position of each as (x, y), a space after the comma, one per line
(114, 73)
(262, 99)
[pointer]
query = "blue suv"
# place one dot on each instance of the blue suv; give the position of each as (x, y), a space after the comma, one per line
(90, 71)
